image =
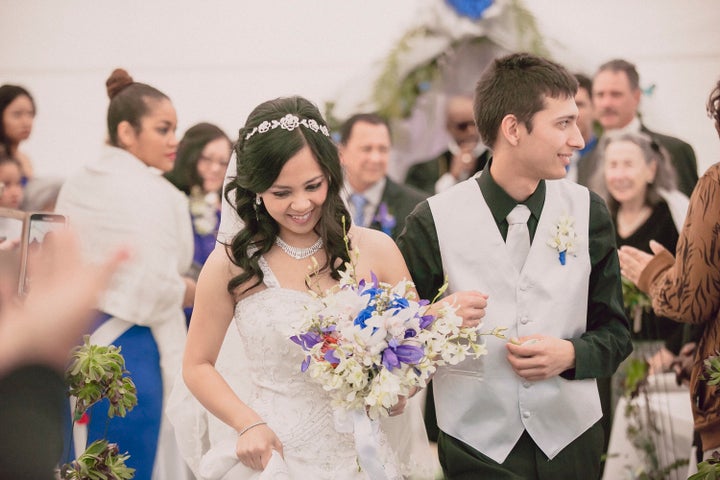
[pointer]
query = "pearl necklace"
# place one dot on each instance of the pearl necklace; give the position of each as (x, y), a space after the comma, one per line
(296, 252)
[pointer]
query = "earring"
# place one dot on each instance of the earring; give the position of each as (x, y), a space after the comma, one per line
(256, 207)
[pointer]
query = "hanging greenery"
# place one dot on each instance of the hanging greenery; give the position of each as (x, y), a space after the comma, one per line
(414, 65)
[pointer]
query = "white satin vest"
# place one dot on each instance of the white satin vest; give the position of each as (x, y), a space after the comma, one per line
(483, 402)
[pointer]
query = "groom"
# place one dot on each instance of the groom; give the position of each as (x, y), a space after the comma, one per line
(530, 408)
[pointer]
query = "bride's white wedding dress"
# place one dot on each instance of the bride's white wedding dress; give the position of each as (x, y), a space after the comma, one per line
(296, 408)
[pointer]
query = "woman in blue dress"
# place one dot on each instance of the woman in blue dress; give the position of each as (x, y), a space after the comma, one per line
(121, 199)
(202, 159)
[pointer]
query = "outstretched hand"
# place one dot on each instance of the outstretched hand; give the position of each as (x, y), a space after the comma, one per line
(59, 307)
(539, 357)
(634, 261)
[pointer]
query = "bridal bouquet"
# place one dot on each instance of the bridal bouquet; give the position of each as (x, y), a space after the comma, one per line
(368, 342)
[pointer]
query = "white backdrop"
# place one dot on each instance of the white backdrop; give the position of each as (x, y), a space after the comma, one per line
(217, 59)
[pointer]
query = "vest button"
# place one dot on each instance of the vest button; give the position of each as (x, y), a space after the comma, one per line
(526, 414)
(524, 319)
(526, 384)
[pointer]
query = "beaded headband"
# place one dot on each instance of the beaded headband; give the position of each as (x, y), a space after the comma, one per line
(289, 122)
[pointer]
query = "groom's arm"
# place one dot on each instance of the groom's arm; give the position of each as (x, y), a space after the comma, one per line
(606, 343)
(419, 245)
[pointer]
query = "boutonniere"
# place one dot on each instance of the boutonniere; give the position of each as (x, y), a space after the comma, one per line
(563, 237)
(385, 219)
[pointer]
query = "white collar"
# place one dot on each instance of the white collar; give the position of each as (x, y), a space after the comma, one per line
(373, 194)
(633, 127)
(454, 148)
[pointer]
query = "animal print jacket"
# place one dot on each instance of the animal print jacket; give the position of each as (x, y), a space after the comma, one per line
(687, 289)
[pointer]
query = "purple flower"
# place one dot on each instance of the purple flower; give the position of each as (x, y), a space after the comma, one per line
(306, 340)
(396, 354)
(330, 357)
(385, 219)
(426, 321)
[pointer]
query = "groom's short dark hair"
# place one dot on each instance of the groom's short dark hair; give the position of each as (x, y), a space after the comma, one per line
(517, 84)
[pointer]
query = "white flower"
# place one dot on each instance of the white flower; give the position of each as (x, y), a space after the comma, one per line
(563, 237)
(203, 210)
(374, 343)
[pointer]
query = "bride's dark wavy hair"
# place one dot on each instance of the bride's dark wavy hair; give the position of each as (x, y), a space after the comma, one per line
(259, 161)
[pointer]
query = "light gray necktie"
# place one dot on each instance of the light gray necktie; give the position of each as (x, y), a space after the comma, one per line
(358, 201)
(518, 235)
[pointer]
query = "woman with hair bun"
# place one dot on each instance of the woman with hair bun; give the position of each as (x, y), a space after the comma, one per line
(121, 199)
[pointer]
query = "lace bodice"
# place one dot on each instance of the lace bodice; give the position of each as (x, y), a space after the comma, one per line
(295, 407)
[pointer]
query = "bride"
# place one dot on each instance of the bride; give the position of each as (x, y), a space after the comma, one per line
(287, 195)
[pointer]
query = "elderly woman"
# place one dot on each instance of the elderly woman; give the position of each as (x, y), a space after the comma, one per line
(638, 184)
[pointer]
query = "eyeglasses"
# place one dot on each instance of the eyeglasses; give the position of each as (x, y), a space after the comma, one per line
(464, 126)
(216, 161)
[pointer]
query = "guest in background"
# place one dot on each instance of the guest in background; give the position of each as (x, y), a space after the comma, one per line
(202, 159)
(638, 184)
(121, 199)
(687, 288)
(616, 98)
(11, 181)
(374, 200)
(17, 113)
(465, 155)
(585, 123)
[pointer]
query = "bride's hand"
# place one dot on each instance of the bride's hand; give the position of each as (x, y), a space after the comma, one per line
(254, 447)
(399, 407)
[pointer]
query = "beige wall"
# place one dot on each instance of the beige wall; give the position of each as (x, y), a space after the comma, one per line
(217, 59)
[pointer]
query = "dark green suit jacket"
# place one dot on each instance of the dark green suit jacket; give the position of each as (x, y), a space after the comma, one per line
(399, 200)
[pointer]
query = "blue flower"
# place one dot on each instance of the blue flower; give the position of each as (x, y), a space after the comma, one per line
(472, 9)
(385, 219)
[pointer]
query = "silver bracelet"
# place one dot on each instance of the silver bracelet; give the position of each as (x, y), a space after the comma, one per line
(256, 424)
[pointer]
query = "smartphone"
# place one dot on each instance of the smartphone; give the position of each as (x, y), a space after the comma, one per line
(39, 227)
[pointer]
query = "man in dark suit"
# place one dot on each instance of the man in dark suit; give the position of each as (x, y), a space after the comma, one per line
(465, 155)
(585, 123)
(374, 199)
(616, 97)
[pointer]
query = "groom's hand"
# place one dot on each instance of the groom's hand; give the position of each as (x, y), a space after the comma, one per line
(470, 306)
(538, 357)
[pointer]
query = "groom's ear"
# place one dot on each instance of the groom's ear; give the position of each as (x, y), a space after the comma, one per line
(509, 129)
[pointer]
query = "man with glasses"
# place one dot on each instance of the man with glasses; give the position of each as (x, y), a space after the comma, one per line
(465, 155)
